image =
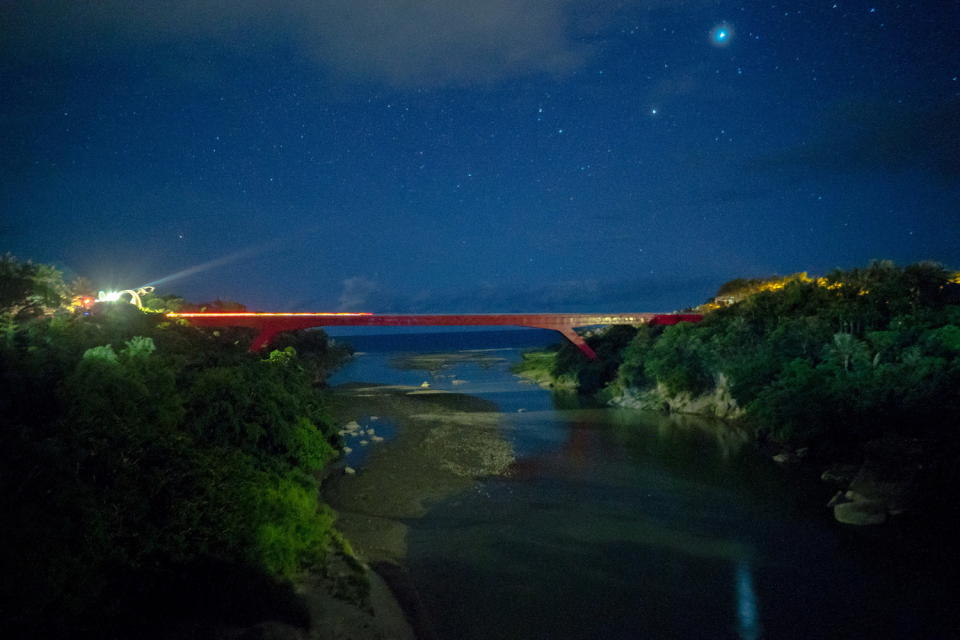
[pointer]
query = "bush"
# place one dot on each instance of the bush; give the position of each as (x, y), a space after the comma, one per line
(843, 358)
(135, 448)
(678, 360)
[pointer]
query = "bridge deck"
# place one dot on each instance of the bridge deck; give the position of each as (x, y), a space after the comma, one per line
(271, 323)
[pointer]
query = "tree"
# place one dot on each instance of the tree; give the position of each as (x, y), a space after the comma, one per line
(28, 289)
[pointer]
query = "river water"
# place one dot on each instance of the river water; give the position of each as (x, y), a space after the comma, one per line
(624, 524)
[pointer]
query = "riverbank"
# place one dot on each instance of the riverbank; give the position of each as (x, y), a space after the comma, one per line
(552, 546)
(864, 484)
(443, 442)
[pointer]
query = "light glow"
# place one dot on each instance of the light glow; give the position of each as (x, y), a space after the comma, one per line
(249, 252)
(721, 35)
(115, 296)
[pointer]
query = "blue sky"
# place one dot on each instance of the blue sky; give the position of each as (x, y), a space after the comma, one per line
(497, 156)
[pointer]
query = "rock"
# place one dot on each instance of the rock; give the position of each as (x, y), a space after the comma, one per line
(838, 498)
(459, 382)
(353, 425)
(347, 450)
(860, 513)
(871, 496)
(364, 443)
(374, 418)
(899, 497)
(802, 452)
(349, 471)
(785, 458)
(424, 385)
(370, 432)
(520, 410)
(853, 496)
(839, 474)
(867, 485)
(376, 438)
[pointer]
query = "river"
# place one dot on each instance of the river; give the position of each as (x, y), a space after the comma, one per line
(612, 523)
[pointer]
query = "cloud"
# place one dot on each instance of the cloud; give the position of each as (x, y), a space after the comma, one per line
(870, 136)
(439, 42)
(358, 294)
(400, 42)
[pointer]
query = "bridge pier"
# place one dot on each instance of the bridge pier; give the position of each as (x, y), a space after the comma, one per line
(577, 339)
(263, 338)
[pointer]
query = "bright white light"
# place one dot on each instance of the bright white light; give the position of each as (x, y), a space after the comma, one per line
(721, 35)
(116, 296)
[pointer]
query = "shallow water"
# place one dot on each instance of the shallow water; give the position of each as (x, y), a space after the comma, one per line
(624, 524)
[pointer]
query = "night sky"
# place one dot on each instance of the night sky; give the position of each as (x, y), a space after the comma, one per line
(491, 155)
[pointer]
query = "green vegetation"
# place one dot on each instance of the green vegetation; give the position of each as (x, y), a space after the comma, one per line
(541, 367)
(148, 466)
(832, 361)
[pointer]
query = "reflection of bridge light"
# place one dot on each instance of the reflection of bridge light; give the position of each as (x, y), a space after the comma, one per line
(747, 614)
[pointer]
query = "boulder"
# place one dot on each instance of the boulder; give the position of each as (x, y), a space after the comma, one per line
(838, 498)
(839, 474)
(867, 485)
(786, 458)
(860, 513)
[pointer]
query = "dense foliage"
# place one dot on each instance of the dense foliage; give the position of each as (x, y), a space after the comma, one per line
(141, 458)
(851, 356)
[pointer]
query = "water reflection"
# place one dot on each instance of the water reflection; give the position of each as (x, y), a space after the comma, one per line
(748, 618)
(621, 524)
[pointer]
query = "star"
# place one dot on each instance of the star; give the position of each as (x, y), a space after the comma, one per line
(721, 35)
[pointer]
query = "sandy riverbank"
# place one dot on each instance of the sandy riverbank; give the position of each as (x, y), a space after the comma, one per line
(443, 443)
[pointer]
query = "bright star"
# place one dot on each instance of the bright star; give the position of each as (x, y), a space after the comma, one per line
(721, 35)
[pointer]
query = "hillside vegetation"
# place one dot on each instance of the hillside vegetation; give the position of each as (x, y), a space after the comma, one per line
(828, 362)
(150, 471)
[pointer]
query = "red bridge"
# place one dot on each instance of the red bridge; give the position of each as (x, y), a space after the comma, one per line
(270, 324)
